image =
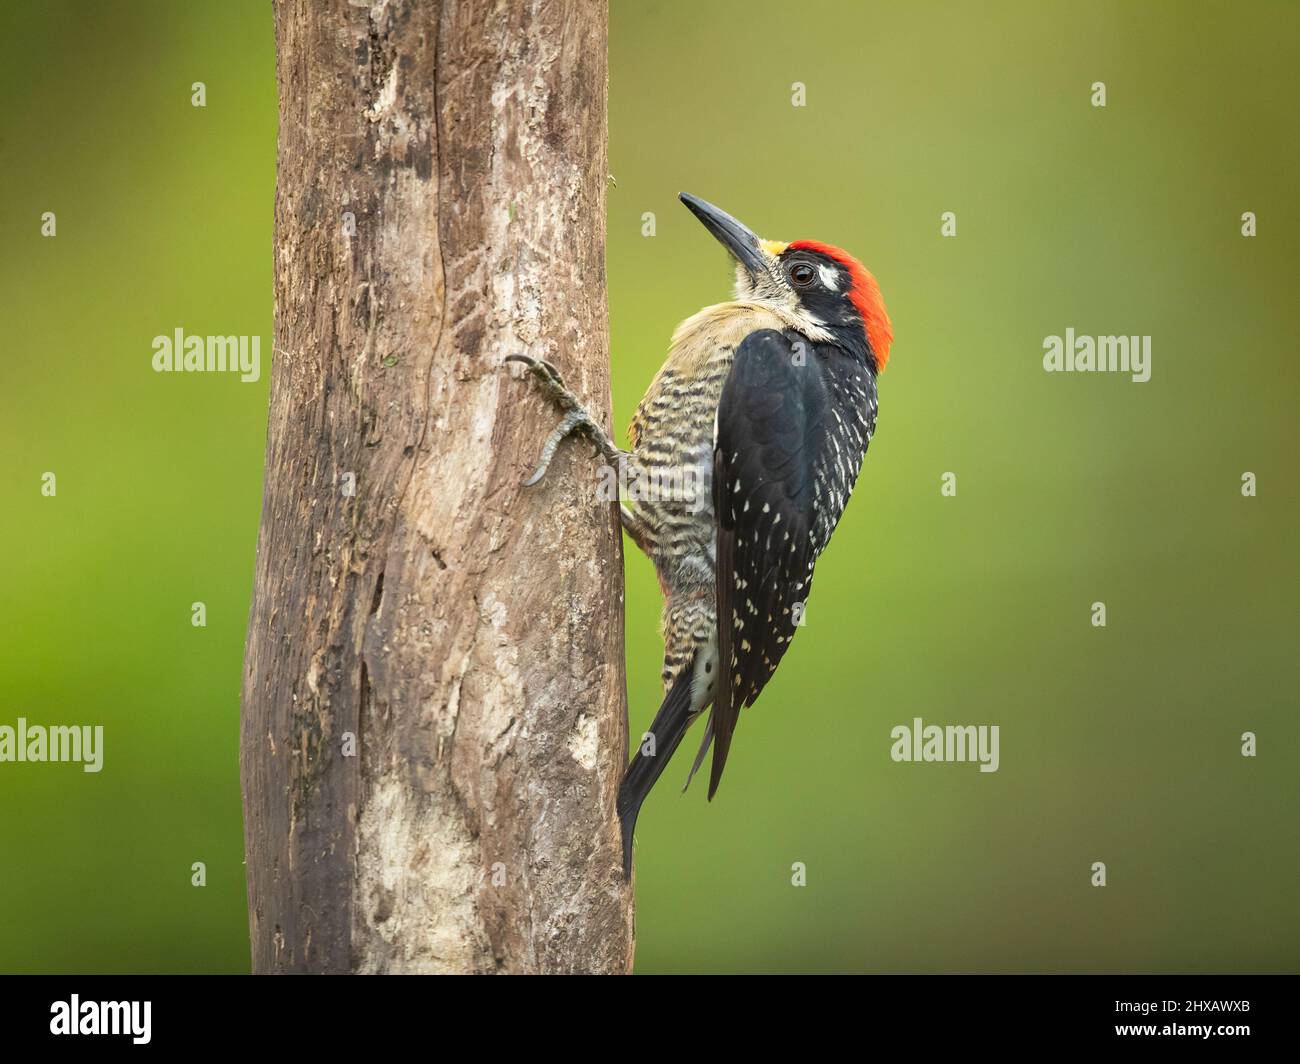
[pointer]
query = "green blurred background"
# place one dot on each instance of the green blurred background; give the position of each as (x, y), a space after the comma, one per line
(1119, 745)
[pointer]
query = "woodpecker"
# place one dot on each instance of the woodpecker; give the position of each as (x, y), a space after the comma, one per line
(766, 405)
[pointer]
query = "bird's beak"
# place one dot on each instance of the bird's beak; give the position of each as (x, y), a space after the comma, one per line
(733, 235)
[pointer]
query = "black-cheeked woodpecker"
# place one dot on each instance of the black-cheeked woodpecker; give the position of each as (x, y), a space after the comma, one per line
(763, 409)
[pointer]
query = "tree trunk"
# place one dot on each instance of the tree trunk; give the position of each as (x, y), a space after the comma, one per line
(434, 708)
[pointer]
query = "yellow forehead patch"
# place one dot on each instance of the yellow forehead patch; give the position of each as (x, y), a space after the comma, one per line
(773, 247)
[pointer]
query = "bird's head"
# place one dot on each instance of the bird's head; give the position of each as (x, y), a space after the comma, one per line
(822, 289)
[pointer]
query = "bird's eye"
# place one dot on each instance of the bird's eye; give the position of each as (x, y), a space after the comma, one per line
(802, 274)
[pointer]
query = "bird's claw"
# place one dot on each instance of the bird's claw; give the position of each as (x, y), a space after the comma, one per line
(549, 376)
(576, 418)
(573, 421)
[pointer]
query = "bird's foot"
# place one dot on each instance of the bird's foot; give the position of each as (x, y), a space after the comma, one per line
(576, 418)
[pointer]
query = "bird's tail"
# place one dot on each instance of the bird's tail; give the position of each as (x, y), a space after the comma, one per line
(667, 729)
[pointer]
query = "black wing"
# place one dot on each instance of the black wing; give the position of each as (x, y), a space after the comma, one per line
(793, 426)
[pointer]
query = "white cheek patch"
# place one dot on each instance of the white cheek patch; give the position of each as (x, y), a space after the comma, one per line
(744, 289)
(830, 279)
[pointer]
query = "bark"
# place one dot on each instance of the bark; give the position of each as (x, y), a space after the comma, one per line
(466, 631)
